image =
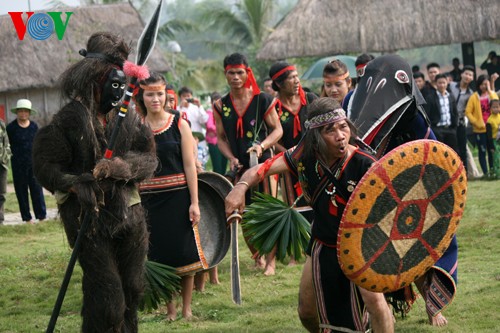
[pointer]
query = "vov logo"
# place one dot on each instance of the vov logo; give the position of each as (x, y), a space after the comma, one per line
(40, 26)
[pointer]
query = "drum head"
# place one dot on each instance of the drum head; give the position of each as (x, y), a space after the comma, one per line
(215, 236)
(402, 216)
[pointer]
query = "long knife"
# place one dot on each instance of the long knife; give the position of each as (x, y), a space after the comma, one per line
(234, 220)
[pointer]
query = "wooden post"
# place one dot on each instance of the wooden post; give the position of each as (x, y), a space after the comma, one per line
(468, 56)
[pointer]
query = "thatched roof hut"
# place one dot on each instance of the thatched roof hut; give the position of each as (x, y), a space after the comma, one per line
(30, 68)
(329, 27)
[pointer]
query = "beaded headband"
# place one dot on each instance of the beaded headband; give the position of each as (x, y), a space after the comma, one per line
(326, 118)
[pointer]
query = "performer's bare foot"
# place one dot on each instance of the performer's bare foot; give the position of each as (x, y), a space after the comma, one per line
(171, 312)
(270, 266)
(438, 320)
(292, 262)
(269, 271)
(30, 222)
(260, 262)
(187, 314)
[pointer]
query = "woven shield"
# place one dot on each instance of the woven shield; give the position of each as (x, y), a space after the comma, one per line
(402, 216)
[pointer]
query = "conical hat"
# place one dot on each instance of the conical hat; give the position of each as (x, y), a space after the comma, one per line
(402, 216)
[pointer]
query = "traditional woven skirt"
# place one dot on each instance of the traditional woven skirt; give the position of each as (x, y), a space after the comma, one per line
(440, 285)
(173, 241)
(340, 306)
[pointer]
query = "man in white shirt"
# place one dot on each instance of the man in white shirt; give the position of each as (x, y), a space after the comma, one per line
(441, 108)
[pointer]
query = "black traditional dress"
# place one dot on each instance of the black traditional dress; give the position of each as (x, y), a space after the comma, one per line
(173, 240)
(245, 127)
(292, 122)
(339, 302)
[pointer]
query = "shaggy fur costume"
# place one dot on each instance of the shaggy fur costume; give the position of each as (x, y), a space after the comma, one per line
(68, 161)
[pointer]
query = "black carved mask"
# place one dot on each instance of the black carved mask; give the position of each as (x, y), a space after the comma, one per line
(112, 91)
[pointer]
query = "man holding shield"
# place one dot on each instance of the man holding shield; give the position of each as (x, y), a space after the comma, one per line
(328, 164)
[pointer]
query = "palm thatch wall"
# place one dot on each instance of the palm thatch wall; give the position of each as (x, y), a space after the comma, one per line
(30, 68)
(329, 27)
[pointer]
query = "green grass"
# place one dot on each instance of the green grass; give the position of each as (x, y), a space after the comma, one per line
(33, 259)
(11, 205)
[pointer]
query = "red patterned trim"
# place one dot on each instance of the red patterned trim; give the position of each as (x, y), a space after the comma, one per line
(163, 182)
(196, 266)
(200, 249)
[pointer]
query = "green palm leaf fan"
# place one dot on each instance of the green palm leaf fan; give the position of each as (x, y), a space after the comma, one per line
(269, 221)
(161, 284)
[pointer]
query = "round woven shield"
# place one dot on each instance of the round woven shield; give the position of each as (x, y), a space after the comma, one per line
(402, 216)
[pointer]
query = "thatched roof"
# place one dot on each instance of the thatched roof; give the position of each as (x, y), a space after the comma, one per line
(30, 63)
(329, 27)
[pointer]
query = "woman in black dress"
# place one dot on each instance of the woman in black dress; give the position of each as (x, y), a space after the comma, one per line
(171, 196)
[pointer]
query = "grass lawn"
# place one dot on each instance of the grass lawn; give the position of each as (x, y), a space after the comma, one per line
(33, 259)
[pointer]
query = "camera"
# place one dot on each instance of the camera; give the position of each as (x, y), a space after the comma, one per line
(190, 100)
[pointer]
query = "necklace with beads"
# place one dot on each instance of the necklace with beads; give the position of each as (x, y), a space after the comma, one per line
(330, 188)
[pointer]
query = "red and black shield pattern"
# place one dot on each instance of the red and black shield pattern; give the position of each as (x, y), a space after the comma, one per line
(402, 216)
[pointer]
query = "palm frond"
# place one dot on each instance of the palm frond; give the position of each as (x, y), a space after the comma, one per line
(229, 24)
(257, 13)
(161, 283)
(269, 222)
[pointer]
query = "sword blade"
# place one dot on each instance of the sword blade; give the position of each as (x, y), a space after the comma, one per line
(235, 264)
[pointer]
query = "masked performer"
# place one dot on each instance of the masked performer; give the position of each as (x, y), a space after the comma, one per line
(68, 161)
(328, 165)
(387, 110)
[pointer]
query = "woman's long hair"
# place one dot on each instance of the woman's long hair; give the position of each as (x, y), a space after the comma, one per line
(479, 81)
